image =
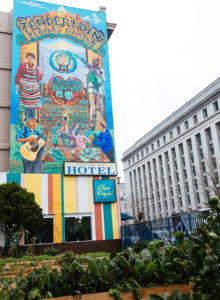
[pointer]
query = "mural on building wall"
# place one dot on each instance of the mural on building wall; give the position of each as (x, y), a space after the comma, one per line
(61, 100)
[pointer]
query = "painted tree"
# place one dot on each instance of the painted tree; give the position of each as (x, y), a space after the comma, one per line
(18, 208)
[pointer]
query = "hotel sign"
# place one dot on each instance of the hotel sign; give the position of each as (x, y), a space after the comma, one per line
(87, 169)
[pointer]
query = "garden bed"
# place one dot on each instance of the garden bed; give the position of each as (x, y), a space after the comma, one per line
(158, 290)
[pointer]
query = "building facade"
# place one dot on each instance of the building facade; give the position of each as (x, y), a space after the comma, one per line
(63, 43)
(175, 167)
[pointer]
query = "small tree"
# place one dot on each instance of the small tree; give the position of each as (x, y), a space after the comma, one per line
(18, 207)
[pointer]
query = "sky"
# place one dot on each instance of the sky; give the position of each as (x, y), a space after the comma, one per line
(162, 53)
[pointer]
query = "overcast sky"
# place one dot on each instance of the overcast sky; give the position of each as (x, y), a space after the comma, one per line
(162, 53)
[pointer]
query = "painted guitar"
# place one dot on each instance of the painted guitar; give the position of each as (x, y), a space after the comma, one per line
(29, 150)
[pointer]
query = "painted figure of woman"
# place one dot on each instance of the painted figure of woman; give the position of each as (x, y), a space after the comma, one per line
(27, 81)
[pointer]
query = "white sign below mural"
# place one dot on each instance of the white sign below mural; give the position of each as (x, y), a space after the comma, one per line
(100, 169)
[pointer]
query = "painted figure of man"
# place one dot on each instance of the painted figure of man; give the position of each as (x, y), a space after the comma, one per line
(27, 82)
(28, 134)
(105, 141)
(96, 90)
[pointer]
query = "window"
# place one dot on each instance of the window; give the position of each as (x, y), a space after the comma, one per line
(158, 143)
(216, 177)
(147, 150)
(192, 158)
(189, 144)
(197, 197)
(171, 191)
(215, 105)
(142, 153)
(189, 200)
(46, 236)
(207, 194)
(164, 139)
(205, 179)
(195, 120)
(203, 166)
(181, 202)
(152, 147)
(198, 140)
(196, 184)
(185, 173)
(133, 159)
(209, 134)
(211, 147)
(171, 135)
(179, 189)
(137, 156)
(194, 170)
(177, 177)
(186, 125)
(214, 164)
(173, 204)
(181, 149)
(187, 187)
(205, 113)
(178, 130)
(129, 162)
(183, 161)
(77, 229)
(201, 153)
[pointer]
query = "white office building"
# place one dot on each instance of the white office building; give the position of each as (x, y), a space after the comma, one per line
(175, 167)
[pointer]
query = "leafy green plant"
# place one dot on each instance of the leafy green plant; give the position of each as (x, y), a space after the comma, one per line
(51, 251)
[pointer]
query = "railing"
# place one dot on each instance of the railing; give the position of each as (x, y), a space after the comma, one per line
(159, 229)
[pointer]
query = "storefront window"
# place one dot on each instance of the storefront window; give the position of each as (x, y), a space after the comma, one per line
(77, 229)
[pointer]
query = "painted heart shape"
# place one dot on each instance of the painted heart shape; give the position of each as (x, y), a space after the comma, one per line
(66, 91)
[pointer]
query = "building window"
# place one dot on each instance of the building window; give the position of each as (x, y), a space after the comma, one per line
(192, 158)
(208, 134)
(195, 120)
(137, 156)
(211, 147)
(186, 125)
(142, 153)
(152, 147)
(133, 159)
(187, 187)
(173, 204)
(214, 164)
(177, 177)
(205, 113)
(181, 149)
(179, 189)
(215, 105)
(189, 200)
(147, 150)
(129, 162)
(158, 143)
(197, 197)
(196, 184)
(201, 153)
(203, 166)
(216, 177)
(181, 202)
(78, 229)
(194, 170)
(198, 140)
(46, 236)
(205, 179)
(171, 135)
(185, 173)
(178, 130)
(207, 194)
(164, 139)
